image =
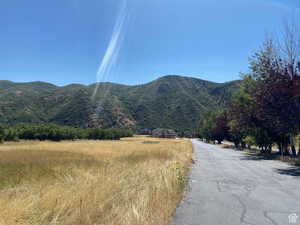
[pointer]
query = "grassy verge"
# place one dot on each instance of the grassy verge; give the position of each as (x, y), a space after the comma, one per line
(130, 182)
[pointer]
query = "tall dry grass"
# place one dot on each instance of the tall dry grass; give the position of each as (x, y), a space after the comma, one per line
(135, 181)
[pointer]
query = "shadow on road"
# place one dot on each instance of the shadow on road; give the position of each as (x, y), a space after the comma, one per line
(293, 171)
(253, 156)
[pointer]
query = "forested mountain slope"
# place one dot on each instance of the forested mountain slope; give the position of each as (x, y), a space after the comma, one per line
(172, 101)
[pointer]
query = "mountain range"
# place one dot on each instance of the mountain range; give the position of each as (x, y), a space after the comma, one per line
(173, 101)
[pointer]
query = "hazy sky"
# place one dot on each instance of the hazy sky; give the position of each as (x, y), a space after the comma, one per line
(64, 41)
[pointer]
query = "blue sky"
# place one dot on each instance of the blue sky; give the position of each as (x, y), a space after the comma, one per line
(64, 41)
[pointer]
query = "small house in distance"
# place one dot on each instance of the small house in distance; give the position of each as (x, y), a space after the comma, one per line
(144, 131)
(163, 133)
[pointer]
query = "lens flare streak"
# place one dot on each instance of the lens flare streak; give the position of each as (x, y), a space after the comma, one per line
(113, 49)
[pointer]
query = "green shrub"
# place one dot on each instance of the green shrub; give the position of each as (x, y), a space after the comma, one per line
(11, 134)
(2, 133)
(250, 141)
(54, 132)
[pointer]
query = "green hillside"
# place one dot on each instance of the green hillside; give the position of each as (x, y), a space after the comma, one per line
(172, 101)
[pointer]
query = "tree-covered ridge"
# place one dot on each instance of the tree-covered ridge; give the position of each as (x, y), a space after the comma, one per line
(172, 102)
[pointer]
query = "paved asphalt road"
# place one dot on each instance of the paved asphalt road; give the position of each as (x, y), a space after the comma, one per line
(235, 188)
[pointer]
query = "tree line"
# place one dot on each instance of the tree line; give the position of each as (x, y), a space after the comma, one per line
(265, 111)
(55, 132)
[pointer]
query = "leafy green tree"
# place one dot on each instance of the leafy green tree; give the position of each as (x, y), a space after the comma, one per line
(220, 130)
(241, 117)
(277, 103)
(250, 141)
(205, 128)
(11, 134)
(267, 106)
(214, 126)
(2, 133)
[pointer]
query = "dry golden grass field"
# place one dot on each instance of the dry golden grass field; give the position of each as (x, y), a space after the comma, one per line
(135, 181)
